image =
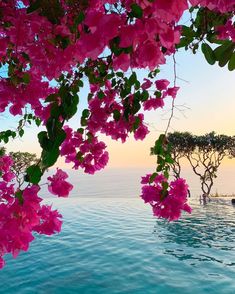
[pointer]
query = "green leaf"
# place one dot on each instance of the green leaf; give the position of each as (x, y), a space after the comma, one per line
(136, 11)
(136, 123)
(25, 55)
(226, 57)
(83, 121)
(79, 156)
(26, 78)
(55, 110)
(114, 46)
(165, 185)
(136, 106)
(116, 115)
(49, 158)
(85, 113)
(224, 52)
(126, 91)
(69, 106)
(80, 18)
(50, 151)
(63, 91)
(187, 32)
(144, 95)
(2, 151)
(44, 141)
(19, 196)
(51, 98)
(159, 168)
(34, 174)
(208, 53)
(168, 159)
(5, 139)
(120, 74)
(133, 78)
(80, 130)
(60, 137)
(158, 94)
(137, 85)
(166, 174)
(158, 147)
(21, 132)
(34, 6)
(80, 83)
(100, 94)
(152, 178)
(38, 122)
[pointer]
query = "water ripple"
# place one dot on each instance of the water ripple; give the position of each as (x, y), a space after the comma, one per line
(116, 246)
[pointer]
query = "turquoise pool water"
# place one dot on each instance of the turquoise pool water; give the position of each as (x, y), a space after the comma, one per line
(116, 246)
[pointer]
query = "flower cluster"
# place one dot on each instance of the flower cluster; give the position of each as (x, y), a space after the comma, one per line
(108, 116)
(21, 214)
(58, 185)
(88, 154)
(227, 31)
(222, 6)
(169, 203)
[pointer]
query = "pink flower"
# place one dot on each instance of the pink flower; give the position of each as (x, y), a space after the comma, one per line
(50, 221)
(171, 206)
(153, 103)
(127, 36)
(222, 6)
(149, 55)
(151, 193)
(141, 132)
(122, 62)
(226, 31)
(172, 91)
(5, 163)
(8, 176)
(162, 84)
(58, 185)
(146, 85)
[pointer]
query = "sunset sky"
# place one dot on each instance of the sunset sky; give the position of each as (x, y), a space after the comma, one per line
(204, 103)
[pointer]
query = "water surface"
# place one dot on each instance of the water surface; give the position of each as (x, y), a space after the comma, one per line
(110, 243)
(116, 246)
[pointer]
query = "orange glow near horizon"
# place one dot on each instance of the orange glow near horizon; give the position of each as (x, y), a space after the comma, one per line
(205, 103)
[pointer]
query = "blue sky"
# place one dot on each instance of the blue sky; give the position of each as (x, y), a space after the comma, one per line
(204, 103)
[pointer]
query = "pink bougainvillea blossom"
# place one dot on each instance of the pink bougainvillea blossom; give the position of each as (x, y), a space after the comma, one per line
(58, 186)
(21, 214)
(169, 206)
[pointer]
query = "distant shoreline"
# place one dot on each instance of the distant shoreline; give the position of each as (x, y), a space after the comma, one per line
(222, 196)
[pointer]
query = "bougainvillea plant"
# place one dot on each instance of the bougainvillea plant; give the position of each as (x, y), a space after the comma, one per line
(50, 48)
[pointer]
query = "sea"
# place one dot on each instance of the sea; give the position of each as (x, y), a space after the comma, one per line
(111, 243)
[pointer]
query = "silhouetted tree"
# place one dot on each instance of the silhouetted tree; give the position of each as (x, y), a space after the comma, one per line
(22, 160)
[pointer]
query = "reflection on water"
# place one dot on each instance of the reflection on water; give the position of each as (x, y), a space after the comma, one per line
(116, 246)
(209, 231)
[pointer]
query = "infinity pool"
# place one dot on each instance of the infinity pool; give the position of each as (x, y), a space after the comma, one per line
(116, 246)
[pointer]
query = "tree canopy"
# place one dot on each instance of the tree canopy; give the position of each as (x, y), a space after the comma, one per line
(21, 162)
(204, 153)
(49, 50)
